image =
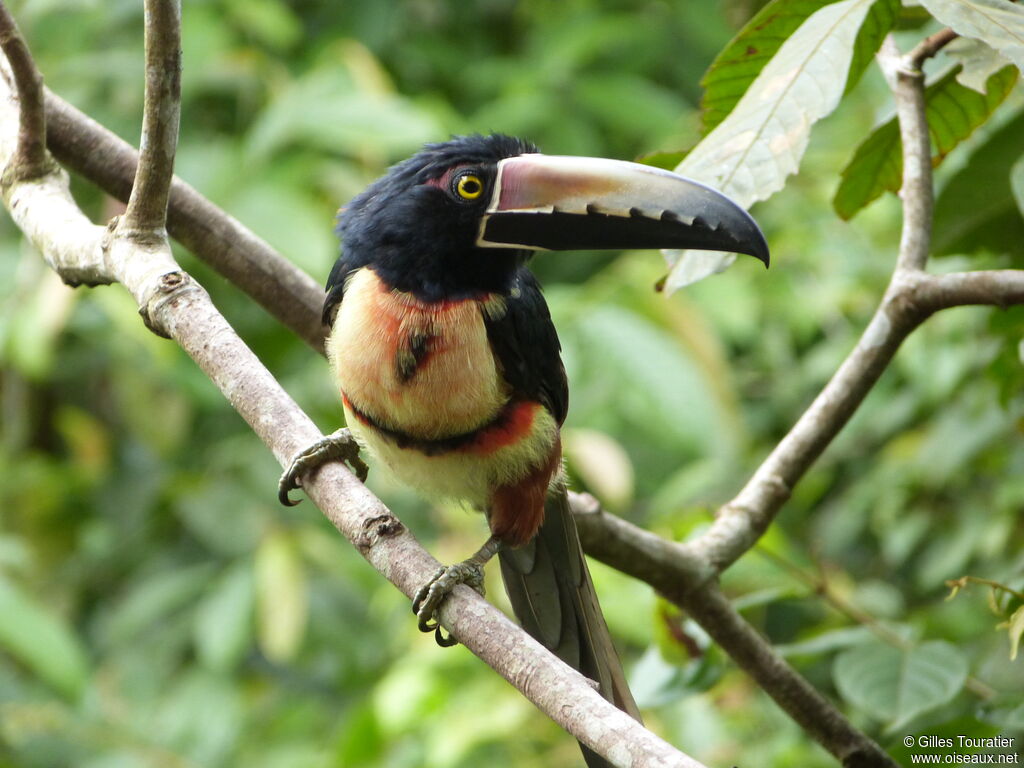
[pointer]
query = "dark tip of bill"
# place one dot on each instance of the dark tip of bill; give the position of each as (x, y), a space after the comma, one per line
(759, 250)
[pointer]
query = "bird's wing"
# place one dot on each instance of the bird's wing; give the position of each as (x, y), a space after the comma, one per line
(526, 345)
(336, 281)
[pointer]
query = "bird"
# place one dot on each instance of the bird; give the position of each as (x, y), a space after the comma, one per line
(449, 365)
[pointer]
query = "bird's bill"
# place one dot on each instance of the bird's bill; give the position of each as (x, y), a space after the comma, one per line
(560, 203)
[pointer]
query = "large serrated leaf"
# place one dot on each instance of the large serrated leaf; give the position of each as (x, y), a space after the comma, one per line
(954, 112)
(895, 685)
(999, 23)
(976, 209)
(41, 641)
(761, 142)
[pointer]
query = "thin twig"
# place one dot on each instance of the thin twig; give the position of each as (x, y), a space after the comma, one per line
(146, 215)
(907, 83)
(998, 287)
(30, 160)
(931, 45)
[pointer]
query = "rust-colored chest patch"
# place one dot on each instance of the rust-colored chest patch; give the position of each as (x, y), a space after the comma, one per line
(425, 369)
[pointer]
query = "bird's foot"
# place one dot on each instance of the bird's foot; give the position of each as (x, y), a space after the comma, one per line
(430, 596)
(339, 445)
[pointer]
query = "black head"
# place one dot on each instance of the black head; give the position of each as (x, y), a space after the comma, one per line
(418, 225)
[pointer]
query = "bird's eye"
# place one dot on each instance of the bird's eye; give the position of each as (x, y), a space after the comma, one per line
(469, 187)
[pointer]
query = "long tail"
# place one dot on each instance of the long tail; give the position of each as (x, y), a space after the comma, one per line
(553, 597)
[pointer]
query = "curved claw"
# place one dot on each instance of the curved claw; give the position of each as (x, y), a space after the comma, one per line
(285, 485)
(441, 640)
(339, 445)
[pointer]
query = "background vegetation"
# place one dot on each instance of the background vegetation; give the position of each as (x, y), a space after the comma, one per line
(158, 608)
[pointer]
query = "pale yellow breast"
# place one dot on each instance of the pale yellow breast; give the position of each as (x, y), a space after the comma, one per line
(455, 389)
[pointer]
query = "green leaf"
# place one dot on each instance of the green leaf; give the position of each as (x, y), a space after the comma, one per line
(603, 465)
(999, 23)
(751, 152)
(152, 600)
(739, 63)
(879, 22)
(666, 160)
(283, 601)
(979, 62)
(954, 112)
(329, 111)
(269, 21)
(976, 208)
(224, 619)
(1015, 628)
(1017, 183)
(895, 685)
(826, 642)
(41, 641)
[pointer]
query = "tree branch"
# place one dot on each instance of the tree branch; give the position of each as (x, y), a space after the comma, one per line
(30, 159)
(906, 80)
(931, 45)
(999, 287)
(146, 216)
(243, 258)
(906, 304)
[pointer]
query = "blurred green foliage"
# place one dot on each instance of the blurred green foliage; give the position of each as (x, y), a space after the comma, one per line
(158, 608)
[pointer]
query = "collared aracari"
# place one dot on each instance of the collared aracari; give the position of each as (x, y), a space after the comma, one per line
(448, 362)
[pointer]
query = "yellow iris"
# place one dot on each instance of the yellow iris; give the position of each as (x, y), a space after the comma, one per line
(469, 187)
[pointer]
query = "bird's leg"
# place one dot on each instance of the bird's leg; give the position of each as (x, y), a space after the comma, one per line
(339, 445)
(430, 596)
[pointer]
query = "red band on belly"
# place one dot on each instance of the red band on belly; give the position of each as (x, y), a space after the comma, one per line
(515, 424)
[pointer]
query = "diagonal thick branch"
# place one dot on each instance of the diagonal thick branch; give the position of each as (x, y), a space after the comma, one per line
(180, 309)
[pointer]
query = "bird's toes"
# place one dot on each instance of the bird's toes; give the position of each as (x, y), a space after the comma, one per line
(430, 596)
(337, 446)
